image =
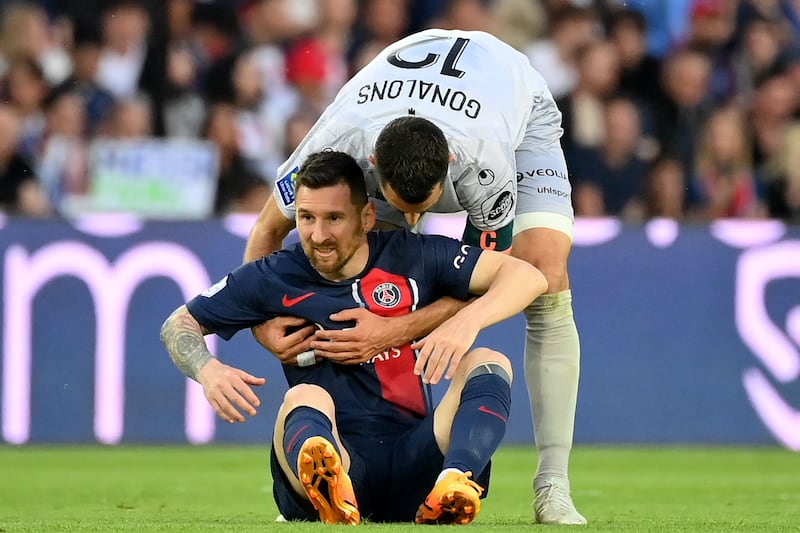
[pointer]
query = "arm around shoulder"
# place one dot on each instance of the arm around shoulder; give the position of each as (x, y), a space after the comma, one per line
(507, 285)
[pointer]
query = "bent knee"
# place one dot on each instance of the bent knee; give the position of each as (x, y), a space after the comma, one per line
(307, 394)
(548, 251)
(483, 356)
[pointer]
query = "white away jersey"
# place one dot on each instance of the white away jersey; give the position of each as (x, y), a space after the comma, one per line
(480, 91)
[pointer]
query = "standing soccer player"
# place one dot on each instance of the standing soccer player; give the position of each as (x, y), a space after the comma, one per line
(365, 440)
(448, 121)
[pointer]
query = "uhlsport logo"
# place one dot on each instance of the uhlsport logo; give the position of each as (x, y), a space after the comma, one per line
(386, 295)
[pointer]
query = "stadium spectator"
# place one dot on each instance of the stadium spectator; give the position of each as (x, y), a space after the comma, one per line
(582, 108)
(557, 56)
(171, 76)
(308, 69)
(297, 127)
(520, 22)
(20, 190)
(87, 44)
(711, 32)
(335, 34)
(259, 128)
(239, 188)
(126, 26)
(773, 109)
(664, 195)
(638, 68)
(26, 90)
(381, 22)
(682, 112)
(182, 55)
(26, 31)
(466, 15)
(782, 178)
(667, 23)
(616, 167)
(63, 159)
(131, 118)
(757, 56)
(495, 148)
(725, 182)
(361, 440)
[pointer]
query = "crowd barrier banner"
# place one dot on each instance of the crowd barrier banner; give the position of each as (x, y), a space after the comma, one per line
(689, 334)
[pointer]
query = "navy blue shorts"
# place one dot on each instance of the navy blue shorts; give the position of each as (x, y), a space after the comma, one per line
(391, 475)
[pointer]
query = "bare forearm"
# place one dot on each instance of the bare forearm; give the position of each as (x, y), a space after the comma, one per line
(261, 243)
(514, 287)
(416, 325)
(184, 340)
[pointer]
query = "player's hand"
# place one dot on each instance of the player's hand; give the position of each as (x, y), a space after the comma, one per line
(282, 337)
(440, 352)
(372, 334)
(228, 389)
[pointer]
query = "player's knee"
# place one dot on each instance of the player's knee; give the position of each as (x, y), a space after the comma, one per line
(556, 276)
(486, 361)
(548, 251)
(309, 395)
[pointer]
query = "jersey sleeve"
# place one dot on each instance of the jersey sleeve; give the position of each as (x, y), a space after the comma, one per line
(452, 263)
(328, 133)
(488, 191)
(240, 300)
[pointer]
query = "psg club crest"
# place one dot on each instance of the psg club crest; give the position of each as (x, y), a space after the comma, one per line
(386, 295)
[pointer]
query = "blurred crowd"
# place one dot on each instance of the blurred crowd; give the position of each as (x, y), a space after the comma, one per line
(688, 109)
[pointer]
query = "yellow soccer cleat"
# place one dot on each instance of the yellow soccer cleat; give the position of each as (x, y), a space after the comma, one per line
(455, 499)
(327, 485)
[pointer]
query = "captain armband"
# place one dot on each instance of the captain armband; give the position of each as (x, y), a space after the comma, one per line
(498, 240)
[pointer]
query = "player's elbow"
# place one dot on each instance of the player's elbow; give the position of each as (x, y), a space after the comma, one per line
(262, 241)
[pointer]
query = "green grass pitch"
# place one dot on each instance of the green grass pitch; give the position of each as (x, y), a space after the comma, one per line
(216, 488)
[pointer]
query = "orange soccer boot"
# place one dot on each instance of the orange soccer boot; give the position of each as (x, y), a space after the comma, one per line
(455, 499)
(327, 485)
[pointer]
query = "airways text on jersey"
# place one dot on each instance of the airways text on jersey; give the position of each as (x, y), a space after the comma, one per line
(388, 294)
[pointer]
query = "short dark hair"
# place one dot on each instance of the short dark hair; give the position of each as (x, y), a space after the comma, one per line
(411, 156)
(327, 169)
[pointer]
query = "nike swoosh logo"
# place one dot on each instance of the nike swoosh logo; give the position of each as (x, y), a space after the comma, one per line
(288, 302)
(484, 409)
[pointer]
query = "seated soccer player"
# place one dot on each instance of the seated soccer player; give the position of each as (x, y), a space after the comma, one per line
(355, 441)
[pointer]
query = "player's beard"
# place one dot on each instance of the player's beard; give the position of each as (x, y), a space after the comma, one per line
(331, 265)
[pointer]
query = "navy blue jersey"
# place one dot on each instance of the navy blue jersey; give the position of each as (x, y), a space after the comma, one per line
(404, 271)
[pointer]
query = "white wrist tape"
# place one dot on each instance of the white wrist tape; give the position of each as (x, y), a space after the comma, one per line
(307, 358)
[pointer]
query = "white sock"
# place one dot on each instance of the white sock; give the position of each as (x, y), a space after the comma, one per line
(552, 369)
(447, 471)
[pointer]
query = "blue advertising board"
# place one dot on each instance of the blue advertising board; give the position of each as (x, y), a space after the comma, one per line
(690, 334)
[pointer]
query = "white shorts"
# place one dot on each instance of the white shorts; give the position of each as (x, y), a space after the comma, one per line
(544, 193)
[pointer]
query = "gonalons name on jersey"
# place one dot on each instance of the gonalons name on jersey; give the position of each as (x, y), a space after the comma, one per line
(423, 91)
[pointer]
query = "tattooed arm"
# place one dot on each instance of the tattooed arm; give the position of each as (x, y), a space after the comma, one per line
(225, 387)
(183, 337)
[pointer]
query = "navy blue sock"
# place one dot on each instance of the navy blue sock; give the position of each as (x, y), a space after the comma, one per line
(479, 424)
(302, 423)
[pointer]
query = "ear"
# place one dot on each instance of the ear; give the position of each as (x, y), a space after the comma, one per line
(368, 217)
(452, 158)
(371, 159)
